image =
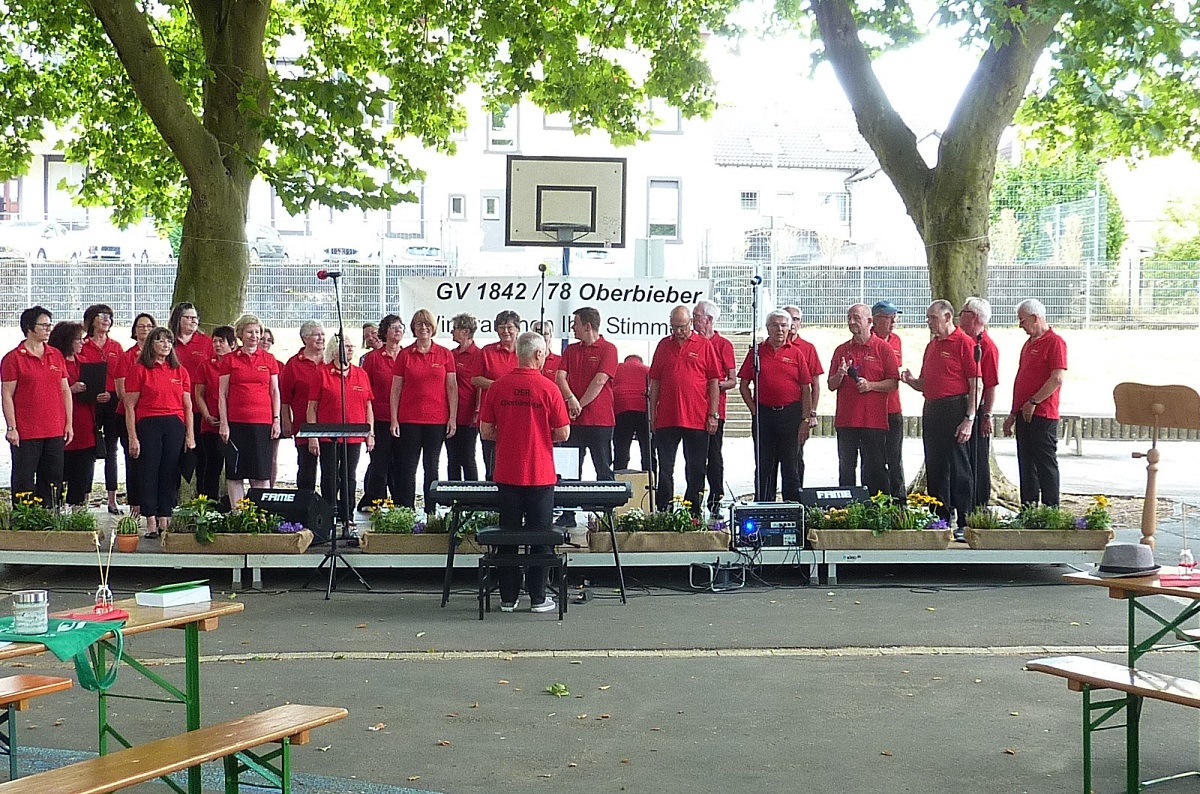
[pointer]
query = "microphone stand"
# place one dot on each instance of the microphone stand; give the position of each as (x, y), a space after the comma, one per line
(755, 282)
(342, 452)
(542, 291)
(653, 481)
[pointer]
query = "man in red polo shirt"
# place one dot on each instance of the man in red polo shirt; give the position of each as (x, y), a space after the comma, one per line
(973, 320)
(630, 385)
(883, 321)
(684, 403)
(524, 414)
(297, 376)
(863, 374)
(950, 382)
(815, 369)
(779, 395)
(704, 318)
(1034, 413)
(585, 380)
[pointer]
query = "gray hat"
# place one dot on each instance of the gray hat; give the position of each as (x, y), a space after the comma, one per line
(885, 307)
(1123, 560)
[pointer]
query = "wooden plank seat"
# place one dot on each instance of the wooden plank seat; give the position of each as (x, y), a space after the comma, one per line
(15, 693)
(231, 741)
(1084, 675)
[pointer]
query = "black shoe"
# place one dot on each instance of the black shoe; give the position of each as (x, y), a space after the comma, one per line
(960, 535)
(566, 519)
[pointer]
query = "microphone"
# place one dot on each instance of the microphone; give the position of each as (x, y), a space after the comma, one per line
(324, 274)
(979, 347)
(755, 280)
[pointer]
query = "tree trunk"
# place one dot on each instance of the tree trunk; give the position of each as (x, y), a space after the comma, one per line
(214, 262)
(956, 234)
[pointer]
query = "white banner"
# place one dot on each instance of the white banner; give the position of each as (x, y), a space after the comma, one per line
(629, 308)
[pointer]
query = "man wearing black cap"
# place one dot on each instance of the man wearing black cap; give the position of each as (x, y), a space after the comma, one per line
(883, 319)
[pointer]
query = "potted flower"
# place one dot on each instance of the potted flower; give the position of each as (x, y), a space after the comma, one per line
(671, 529)
(882, 522)
(127, 529)
(1039, 526)
(27, 524)
(197, 527)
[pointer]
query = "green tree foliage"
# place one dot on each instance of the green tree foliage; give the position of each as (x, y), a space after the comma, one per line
(175, 107)
(1112, 78)
(1173, 271)
(1035, 185)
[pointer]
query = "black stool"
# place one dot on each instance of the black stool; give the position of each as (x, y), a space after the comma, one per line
(492, 559)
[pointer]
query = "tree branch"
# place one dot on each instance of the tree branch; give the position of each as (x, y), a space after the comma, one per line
(159, 92)
(893, 143)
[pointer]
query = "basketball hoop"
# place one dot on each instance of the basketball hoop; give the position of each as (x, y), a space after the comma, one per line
(564, 232)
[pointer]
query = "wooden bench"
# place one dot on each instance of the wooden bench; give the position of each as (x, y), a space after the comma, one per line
(15, 693)
(231, 741)
(1084, 675)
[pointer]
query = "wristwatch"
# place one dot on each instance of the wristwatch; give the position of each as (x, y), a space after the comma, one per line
(1032, 401)
(714, 415)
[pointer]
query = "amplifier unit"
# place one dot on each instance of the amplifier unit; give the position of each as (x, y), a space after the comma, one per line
(769, 524)
(833, 496)
(304, 507)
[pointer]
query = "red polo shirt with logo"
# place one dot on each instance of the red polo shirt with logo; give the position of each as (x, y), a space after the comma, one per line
(423, 400)
(83, 413)
(583, 363)
(210, 376)
(497, 361)
(194, 355)
(524, 407)
(294, 381)
(629, 387)
(809, 351)
(874, 360)
(552, 366)
(728, 360)
(125, 364)
(893, 341)
(249, 398)
(160, 389)
(782, 374)
(1039, 357)
(989, 361)
(90, 353)
(948, 364)
(468, 363)
(326, 390)
(379, 365)
(683, 372)
(38, 399)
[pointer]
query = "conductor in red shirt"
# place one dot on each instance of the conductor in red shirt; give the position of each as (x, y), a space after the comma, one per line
(950, 382)
(524, 415)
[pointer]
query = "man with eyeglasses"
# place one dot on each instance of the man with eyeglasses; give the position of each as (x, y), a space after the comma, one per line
(498, 359)
(973, 320)
(684, 406)
(815, 369)
(704, 318)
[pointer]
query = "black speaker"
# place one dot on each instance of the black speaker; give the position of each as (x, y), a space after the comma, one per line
(303, 507)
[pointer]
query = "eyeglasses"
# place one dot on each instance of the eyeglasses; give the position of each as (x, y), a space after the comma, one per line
(164, 339)
(675, 327)
(43, 325)
(190, 317)
(105, 315)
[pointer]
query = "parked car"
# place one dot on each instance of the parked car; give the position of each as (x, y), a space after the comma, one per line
(138, 244)
(36, 240)
(265, 243)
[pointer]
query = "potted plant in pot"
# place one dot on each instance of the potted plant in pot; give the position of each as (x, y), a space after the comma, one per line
(882, 522)
(127, 529)
(672, 529)
(1039, 526)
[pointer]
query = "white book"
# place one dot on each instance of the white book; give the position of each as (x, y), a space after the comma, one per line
(175, 595)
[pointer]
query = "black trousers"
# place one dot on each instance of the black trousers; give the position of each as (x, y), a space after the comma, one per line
(897, 485)
(631, 425)
(37, 467)
(1037, 459)
(947, 466)
(695, 455)
(215, 451)
(489, 458)
(871, 445)
(979, 449)
(111, 426)
(778, 452)
(337, 469)
(78, 467)
(199, 452)
(716, 467)
(306, 468)
(421, 443)
(161, 438)
(597, 441)
(524, 507)
(460, 454)
(381, 471)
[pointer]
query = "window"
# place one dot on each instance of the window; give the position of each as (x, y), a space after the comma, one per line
(10, 199)
(491, 208)
(663, 209)
(406, 220)
(750, 200)
(502, 129)
(557, 121)
(837, 205)
(666, 118)
(458, 208)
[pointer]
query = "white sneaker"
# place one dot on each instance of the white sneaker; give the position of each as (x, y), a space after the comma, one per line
(547, 605)
(506, 607)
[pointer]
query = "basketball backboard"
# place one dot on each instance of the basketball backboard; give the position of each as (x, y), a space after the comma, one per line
(565, 201)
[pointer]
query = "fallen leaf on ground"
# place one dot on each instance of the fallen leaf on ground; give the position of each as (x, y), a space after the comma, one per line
(420, 634)
(931, 609)
(605, 687)
(545, 775)
(656, 729)
(572, 765)
(1014, 714)
(581, 716)
(58, 722)
(361, 626)
(604, 716)
(625, 761)
(325, 749)
(1010, 751)
(412, 778)
(576, 661)
(452, 714)
(475, 705)
(502, 681)
(443, 742)
(888, 753)
(377, 727)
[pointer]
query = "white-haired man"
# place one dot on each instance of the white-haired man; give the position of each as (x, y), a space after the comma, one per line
(1034, 411)
(973, 319)
(704, 317)
(815, 370)
(950, 382)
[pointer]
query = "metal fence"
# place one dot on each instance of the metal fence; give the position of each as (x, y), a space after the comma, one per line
(1130, 294)
(1127, 294)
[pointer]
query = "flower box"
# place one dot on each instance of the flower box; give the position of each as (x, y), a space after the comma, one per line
(1067, 539)
(702, 540)
(896, 539)
(226, 543)
(47, 540)
(395, 543)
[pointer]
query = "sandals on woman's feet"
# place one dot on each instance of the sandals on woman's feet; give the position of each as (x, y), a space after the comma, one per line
(151, 535)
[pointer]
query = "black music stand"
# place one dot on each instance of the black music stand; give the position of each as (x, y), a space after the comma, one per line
(339, 433)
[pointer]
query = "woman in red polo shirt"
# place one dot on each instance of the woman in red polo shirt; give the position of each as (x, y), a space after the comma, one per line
(249, 409)
(340, 461)
(100, 348)
(37, 408)
(424, 407)
(206, 392)
(79, 459)
(468, 362)
(194, 349)
(143, 324)
(379, 364)
(158, 419)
